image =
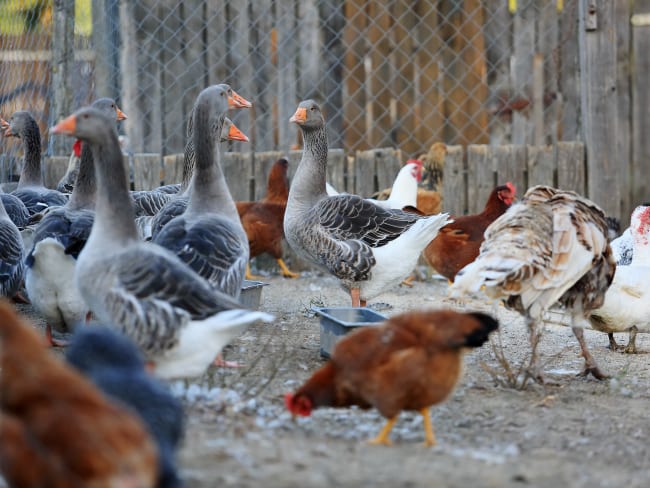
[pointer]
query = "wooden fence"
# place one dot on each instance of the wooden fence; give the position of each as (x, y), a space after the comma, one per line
(470, 173)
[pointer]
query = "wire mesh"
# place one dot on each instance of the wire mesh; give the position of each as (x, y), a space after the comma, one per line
(387, 73)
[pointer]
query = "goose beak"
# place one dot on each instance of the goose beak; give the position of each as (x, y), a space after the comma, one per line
(66, 127)
(300, 117)
(120, 115)
(4, 125)
(234, 134)
(237, 101)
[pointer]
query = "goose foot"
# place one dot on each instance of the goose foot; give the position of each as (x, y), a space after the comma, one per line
(19, 297)
(220, 362)
(408, 281)
(51, 341)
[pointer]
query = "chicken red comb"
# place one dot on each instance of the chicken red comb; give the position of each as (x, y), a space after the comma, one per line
(77, 148)
(512, 188)
(415, 161)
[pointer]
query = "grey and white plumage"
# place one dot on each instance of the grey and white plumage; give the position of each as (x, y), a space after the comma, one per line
(57, 241)
(364, 245)
(11, 255)
(209, 235)
(114, 364)
(551, 247)
(627, 302)
(30, 187)
(16, 209)
(175, 318)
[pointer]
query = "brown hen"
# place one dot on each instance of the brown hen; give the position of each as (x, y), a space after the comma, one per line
(263, 220)
(57, 429)
(411, 362)
(458, 244)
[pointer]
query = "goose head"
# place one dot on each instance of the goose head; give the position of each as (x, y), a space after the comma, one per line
(19, 124)
(308, 115)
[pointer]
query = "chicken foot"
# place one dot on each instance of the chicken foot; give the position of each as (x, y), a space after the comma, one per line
(590, 363)
(286, 272)
(429, 437)
(382, 437)
(249, 275)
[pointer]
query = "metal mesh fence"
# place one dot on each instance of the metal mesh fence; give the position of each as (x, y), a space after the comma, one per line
(387, 73)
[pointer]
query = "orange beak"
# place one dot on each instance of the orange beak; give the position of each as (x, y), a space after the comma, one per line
(4, 125)
(237, 101)
(66, 127)
(120, 115)
(234, 134)
(300, 116)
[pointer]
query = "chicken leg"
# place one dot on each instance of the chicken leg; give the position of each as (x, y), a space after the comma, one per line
(429, 437)
(631, 342)
(249, 275)
(382, 437)
(590, 363)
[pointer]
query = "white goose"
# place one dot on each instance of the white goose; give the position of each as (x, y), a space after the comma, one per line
(30, 185)
(176, 318)
(209, 235)
(367, 247)
(57, 241)
(627, 301)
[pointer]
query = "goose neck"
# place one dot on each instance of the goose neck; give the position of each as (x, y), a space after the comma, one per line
(309, 181)
(85, 187)
(31, 173)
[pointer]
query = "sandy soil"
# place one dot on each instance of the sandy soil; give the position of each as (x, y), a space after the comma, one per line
(571, 432)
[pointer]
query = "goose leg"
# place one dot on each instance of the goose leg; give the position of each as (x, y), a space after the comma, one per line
(355, 294)
(382, 437)
(631, 343)
(286, 272)
(590, 363)
(51, 341)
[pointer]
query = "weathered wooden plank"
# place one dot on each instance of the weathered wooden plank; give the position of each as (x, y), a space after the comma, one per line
(510, 165)
(146, 170)
(332, 55)
(571, 168)
(541, 167)
(354, 74)
(55, 167)
(569, 101)
(640, 183)
(237, 170)
(599, 111)
(428, 111)
(364, 170)
(622, 12)
(481, 176)
(523, 44)
(454, 187)
(216, 42)
(337, 169)
(388, 162)
(287, 93)
(261, 57)
(173, 169)
(546, 105)
(309, 54)
(262, 163)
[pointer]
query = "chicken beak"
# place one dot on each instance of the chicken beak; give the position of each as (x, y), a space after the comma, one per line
(237, 101)
(300, 117)
(67, 126)
(120, 115)
(234, 134)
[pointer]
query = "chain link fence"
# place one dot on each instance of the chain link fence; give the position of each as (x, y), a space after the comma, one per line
(387, 73)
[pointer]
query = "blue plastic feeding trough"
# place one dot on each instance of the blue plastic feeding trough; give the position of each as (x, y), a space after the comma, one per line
(336, 322)
(251, 294)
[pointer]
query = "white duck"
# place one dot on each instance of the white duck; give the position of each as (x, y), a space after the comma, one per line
(11, 256)
(551, 247)
(30, 187)
(627, 301)
(367, 247)
(57, 241)
(174, 316)
(209, 235)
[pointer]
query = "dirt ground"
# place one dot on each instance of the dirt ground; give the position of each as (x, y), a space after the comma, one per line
(572, 432)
